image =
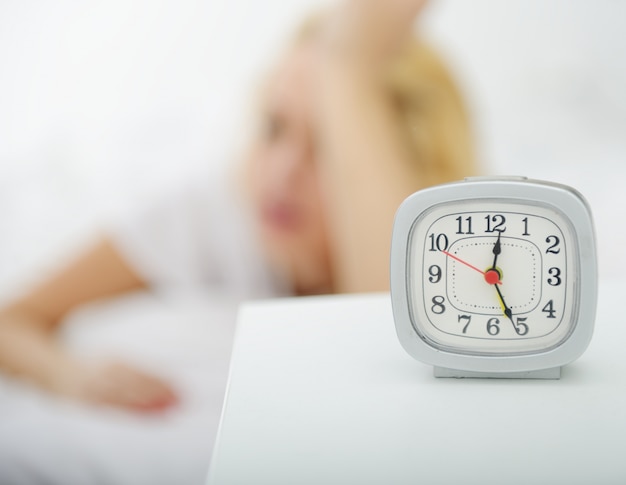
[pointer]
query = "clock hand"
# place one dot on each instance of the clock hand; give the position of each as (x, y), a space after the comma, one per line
(505, 309)
(492, 276)
(496, 250)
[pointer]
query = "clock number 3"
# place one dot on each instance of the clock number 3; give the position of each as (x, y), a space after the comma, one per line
(556, 273)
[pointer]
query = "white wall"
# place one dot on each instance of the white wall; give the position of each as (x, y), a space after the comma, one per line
(102, 103)
(547, 83)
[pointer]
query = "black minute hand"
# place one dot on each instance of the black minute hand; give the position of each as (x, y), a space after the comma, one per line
(507, 311)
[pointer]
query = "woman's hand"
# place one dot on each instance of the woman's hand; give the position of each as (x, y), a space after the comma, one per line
(370, 32)
(29, 349)
(117, 384)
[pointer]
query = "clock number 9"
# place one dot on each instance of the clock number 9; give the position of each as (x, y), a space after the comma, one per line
(435, 274)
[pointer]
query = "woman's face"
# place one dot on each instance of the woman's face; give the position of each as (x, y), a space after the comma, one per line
(283, 177)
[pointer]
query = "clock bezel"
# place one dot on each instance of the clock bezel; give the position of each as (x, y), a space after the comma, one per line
(574, 208)
(504, 206)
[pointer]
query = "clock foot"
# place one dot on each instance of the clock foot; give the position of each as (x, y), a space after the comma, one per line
(553, 373)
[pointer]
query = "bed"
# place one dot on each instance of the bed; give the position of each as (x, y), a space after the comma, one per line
(185, 338)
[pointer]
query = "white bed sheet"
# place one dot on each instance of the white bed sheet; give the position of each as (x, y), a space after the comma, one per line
(186, 339)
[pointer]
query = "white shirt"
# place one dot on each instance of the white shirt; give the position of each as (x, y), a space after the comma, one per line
(199, 235)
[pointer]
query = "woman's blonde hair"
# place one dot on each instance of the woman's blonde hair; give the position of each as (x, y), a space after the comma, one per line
(428, 103)
(432, 108)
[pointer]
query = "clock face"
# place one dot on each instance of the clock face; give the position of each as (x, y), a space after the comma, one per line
(493, 277)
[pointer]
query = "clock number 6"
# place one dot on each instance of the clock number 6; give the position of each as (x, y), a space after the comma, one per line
(493, 326)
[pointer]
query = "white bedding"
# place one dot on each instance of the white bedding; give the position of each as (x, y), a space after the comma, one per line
(186, 339)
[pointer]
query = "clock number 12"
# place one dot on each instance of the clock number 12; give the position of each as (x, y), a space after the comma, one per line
(498, 221)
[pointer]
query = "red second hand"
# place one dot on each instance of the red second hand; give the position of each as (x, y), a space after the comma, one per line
(484, 273)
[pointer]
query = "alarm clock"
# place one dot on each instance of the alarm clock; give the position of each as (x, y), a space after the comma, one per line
(494, 277)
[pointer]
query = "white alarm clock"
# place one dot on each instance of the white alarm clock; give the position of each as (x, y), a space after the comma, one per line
(494, 277)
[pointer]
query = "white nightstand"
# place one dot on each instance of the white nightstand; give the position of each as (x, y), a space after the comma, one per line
(320, 392)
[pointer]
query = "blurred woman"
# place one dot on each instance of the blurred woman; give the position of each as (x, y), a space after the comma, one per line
(357, 115)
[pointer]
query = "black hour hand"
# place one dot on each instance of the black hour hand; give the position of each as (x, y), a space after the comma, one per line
(496, 250)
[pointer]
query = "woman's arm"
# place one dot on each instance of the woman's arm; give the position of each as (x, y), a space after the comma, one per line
(28, 347)
(366, 166)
